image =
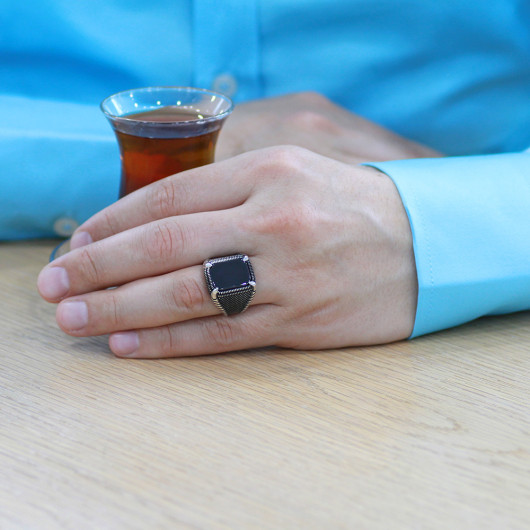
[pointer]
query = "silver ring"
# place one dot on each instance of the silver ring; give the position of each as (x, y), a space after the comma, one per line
(231, 282)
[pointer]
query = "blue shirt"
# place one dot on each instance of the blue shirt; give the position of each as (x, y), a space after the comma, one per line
(454, 75)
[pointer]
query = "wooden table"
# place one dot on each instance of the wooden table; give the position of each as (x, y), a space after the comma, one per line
(430, 433)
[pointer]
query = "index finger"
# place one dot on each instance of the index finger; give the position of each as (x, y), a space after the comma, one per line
(216, 186)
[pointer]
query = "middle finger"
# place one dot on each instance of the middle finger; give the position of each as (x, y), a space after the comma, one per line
(148, 250)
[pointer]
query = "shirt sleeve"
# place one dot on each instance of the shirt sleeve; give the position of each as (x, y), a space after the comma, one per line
(470, 221)
(59, 164)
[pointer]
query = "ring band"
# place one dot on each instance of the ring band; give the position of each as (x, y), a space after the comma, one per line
(231, 282)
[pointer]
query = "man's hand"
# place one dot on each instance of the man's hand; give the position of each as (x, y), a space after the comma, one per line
(312, 121)
(330, 244)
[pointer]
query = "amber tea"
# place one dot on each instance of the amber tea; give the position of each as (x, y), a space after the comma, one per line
(146, 159)
(164, 130)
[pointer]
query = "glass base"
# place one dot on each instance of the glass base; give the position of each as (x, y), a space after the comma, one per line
(60, 250)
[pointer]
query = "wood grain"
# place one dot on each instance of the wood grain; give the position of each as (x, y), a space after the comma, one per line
(430, 433)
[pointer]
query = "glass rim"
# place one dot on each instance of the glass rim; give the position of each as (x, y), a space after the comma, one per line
(159, 88)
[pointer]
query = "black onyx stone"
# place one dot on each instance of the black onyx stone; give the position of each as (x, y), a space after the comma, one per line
(230, 274)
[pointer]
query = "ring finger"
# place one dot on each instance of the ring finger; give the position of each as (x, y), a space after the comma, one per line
(150, 302)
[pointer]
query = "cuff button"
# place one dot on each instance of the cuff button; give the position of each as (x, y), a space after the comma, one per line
(65, 226)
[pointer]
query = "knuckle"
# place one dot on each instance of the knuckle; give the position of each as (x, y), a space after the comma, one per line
(220, 333)
(188, 295)
(312, 121)
(109, 222)
(311, 98)
(282, 160)
(112, 311)
(88, 267)
(166, 342)
(163, 241)
(287, 154)
(295, 223)
(162, 199)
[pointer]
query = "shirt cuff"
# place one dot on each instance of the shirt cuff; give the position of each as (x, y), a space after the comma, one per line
(470, 223)
(61, 165)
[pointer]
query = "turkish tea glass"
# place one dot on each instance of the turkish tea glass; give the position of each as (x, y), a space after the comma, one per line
(162, 131)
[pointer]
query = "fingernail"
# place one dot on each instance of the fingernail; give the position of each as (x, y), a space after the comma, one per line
(53, 283)
(80, 239)
(72, 315)
(124, 343)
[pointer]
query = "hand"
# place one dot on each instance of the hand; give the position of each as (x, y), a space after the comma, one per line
(330, 245)
(312, 121)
